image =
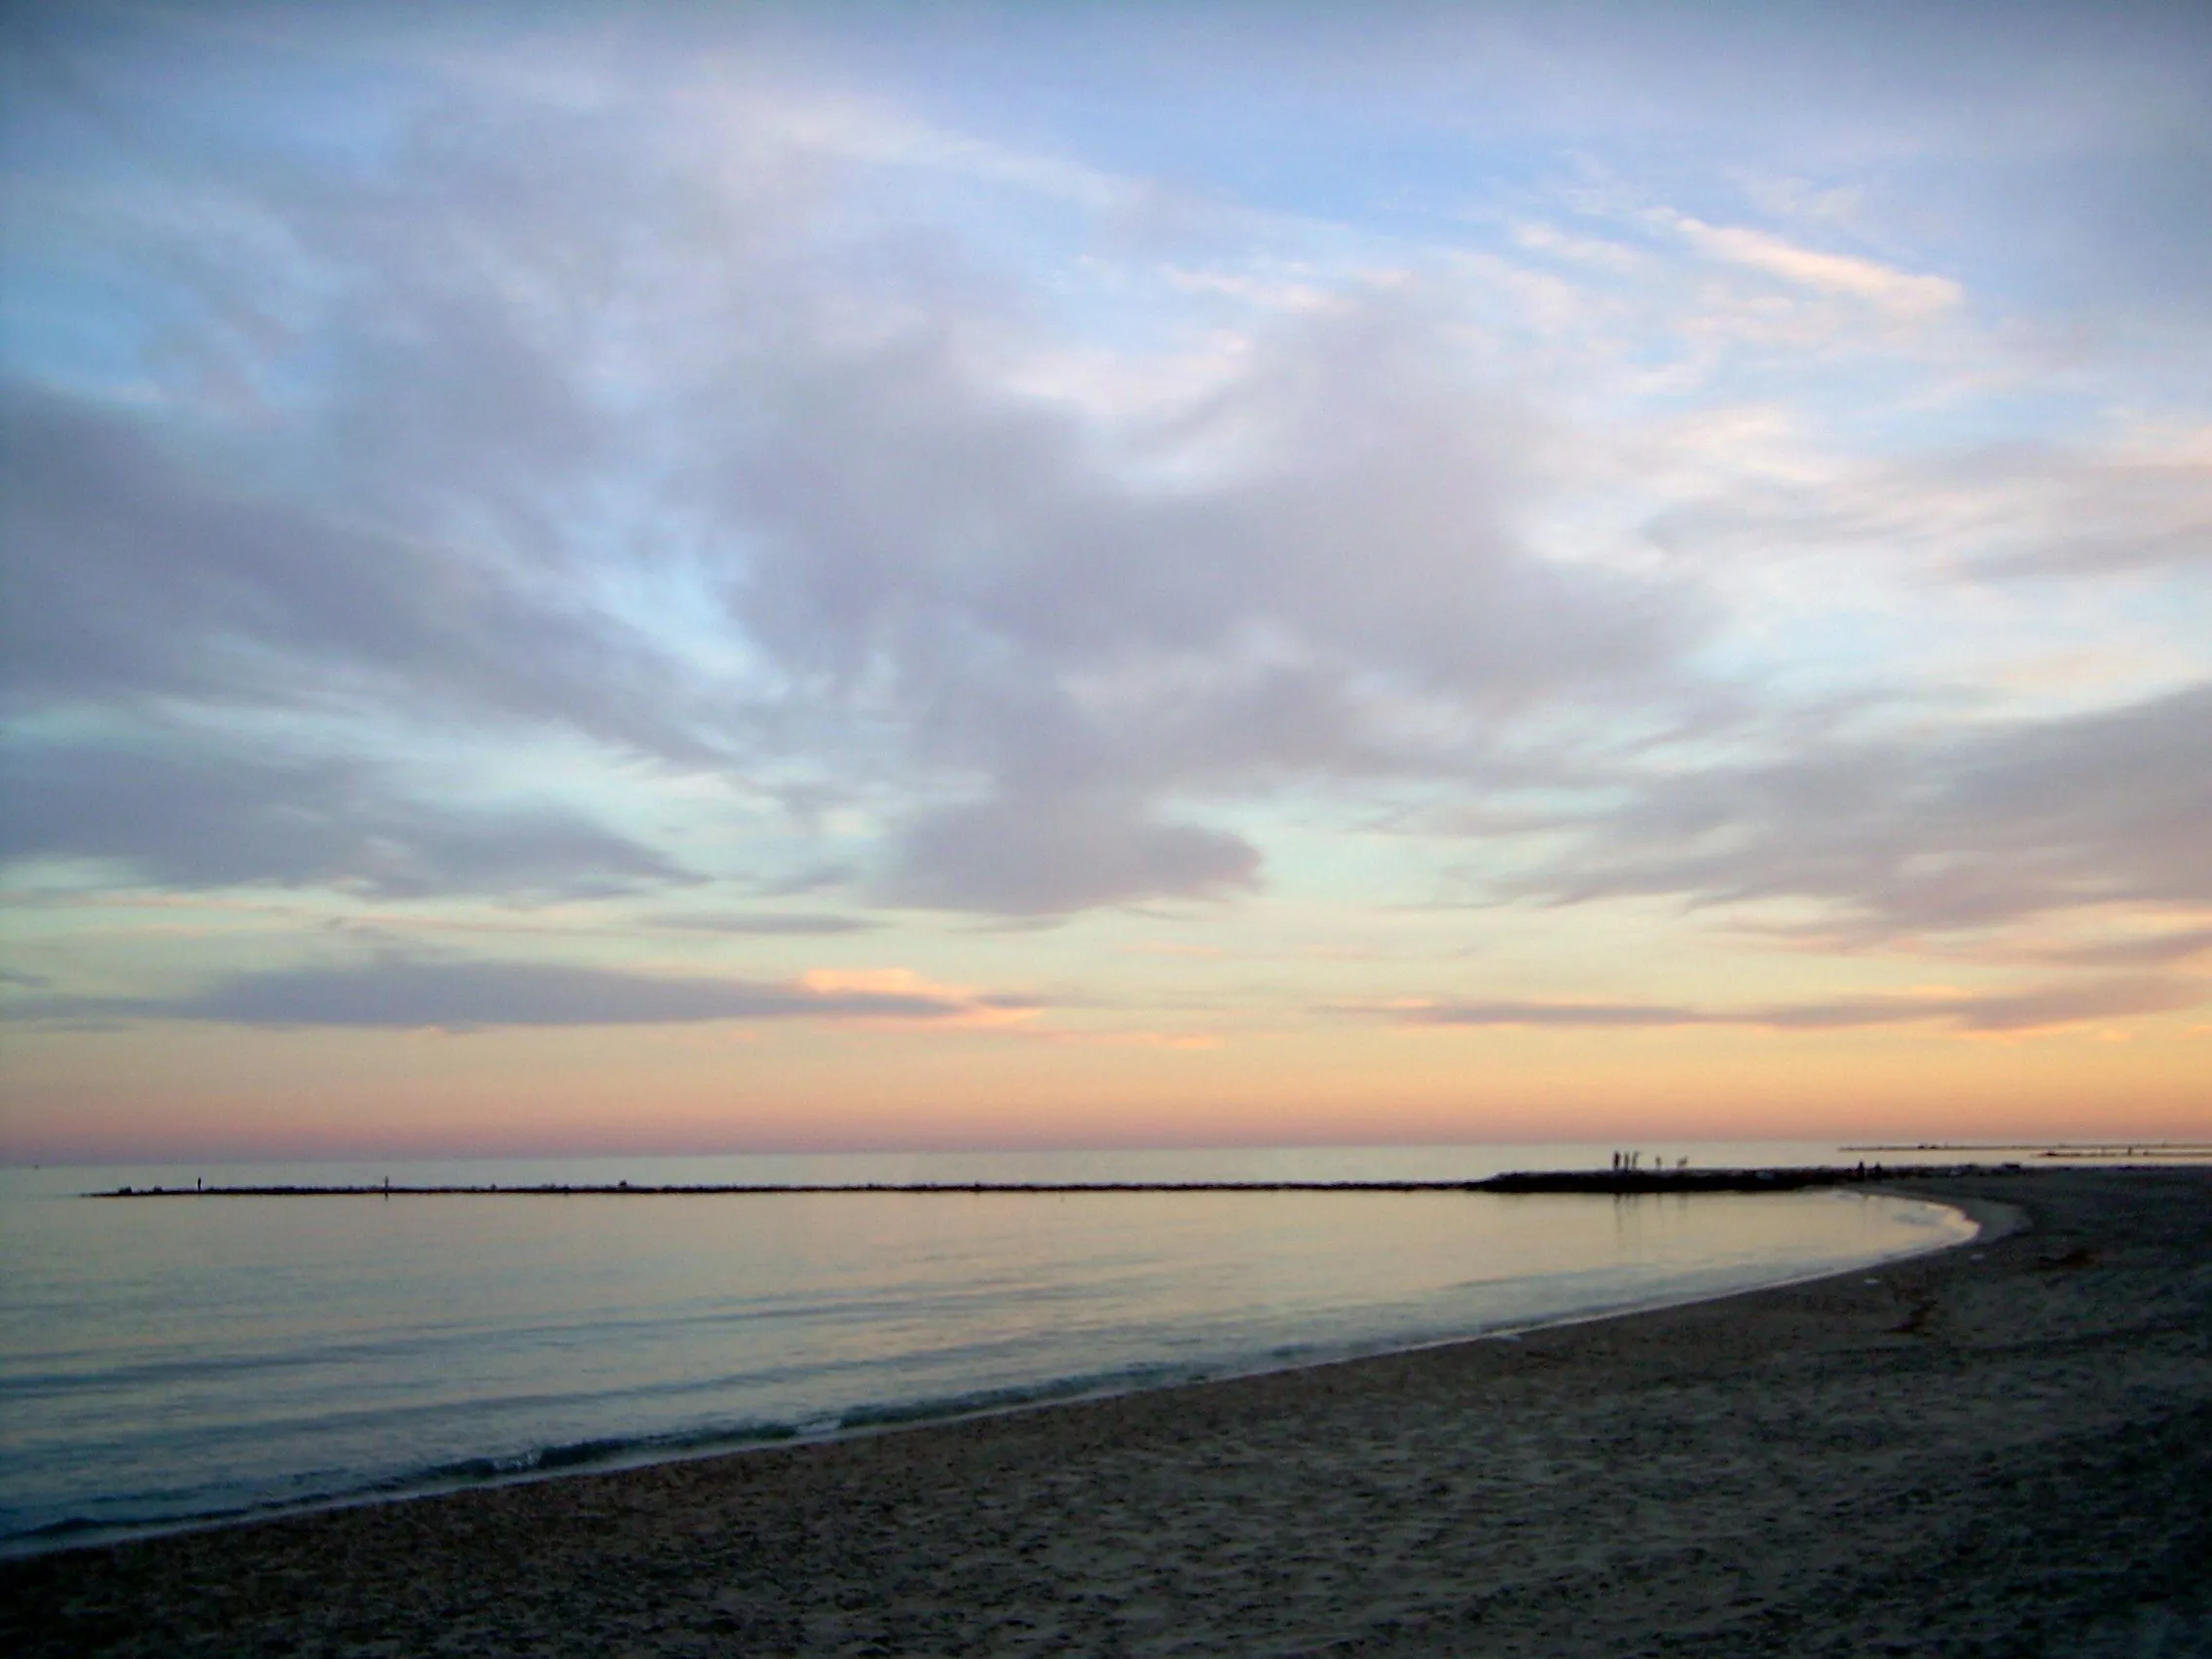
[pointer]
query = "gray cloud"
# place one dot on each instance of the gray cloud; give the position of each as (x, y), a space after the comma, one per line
(2144, 951)
(406, 994)
(1595, 1017)
(1349, 599)
(768, 922)
(938, 581)
(2013, 512)
(1985, 1012)
(438, 423)
(132, 578)
(1957, 828)
(190, 813)
(1055, 853)
(919, 518)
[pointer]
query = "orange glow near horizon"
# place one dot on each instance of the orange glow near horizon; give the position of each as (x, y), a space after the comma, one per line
(202, 1093)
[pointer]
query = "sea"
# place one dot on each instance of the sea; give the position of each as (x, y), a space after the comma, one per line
(183, 1361)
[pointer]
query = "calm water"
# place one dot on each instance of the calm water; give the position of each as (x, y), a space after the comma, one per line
(177, 1360)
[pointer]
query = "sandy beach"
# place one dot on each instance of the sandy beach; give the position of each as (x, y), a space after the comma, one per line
(2004, 1449)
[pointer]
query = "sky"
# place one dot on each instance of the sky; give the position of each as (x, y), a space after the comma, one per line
(584, 578)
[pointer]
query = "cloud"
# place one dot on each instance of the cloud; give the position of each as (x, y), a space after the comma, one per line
(1348, 501)
(402, 993)
(2140, 951)
(1943, 829)
(2140, 501)
(1574, 1015)
(2064, 155)
(969, 1008)
(682, 411)
(1988, 1011)
(1900, 291)
(551, 421)
(774, 923)
(190, 812)
(1328, 580)
(132, 578)
(1053, 854)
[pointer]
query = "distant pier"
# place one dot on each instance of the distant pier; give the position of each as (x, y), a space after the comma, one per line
(1616, 1182)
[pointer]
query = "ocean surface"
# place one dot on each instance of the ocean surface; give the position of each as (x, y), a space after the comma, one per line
(176, 1361)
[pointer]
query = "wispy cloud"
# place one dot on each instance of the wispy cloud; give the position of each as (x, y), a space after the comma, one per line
(190, 809)
(403, 993)
(768, 923)
(2038, 1009)
(2137, 950)
(1903, 291)
(2115, 505)
(1941, 827)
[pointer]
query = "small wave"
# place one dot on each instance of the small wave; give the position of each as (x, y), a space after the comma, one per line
(583, 1454)
(70, 1530)
(66, 1528)
(898, 1414)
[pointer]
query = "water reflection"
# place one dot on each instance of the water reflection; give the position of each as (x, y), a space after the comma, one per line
(181, 1356)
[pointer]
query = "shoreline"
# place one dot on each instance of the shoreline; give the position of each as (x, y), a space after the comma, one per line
(1718, 1472)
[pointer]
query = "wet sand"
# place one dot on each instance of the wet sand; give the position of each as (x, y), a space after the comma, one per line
(2001, 1450)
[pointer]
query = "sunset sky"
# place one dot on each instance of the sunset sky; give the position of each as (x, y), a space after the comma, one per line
(770, 576)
